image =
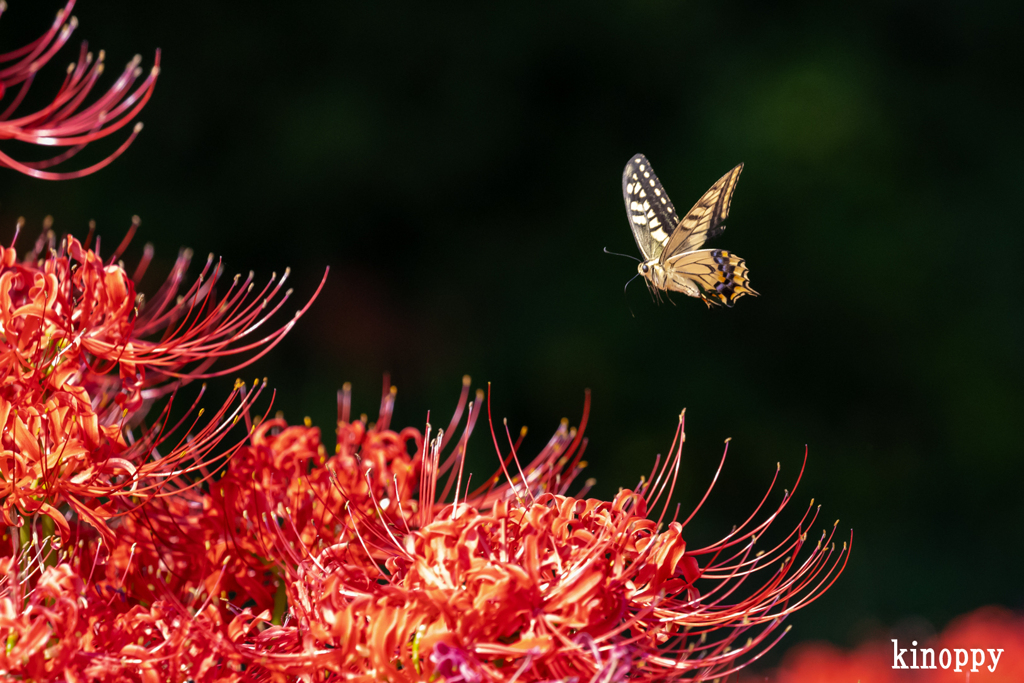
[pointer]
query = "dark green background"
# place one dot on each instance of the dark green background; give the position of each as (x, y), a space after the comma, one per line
(459, 170)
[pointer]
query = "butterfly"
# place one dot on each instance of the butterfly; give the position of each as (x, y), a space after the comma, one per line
(671, 246)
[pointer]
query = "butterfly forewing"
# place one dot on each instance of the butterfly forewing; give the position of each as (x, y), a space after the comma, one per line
(651, 214)
(706, 219)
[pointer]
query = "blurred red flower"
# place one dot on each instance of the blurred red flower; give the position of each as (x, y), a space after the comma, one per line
(994, 628)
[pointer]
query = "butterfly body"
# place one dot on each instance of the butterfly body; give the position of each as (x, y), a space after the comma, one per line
(671, 246)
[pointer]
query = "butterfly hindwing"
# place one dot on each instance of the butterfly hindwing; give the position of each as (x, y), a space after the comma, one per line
(720, 276)
(651, 214)
(706, 219)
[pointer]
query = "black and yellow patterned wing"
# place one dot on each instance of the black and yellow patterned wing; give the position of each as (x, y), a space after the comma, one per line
(717, 276)
(651, 214)
(705, 220)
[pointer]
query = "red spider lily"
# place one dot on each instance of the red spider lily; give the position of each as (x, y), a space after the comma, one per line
(523, 582)
(512, 581)
(59, 626)
(177, 565)
(67, 121)
(68, 322)
(213, 543)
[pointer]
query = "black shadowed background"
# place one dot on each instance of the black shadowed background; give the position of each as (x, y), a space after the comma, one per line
(459, 171)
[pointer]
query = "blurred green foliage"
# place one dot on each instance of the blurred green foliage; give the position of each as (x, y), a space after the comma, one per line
(459, 169)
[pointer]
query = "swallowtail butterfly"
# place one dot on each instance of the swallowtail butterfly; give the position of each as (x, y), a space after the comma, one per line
(673, 260)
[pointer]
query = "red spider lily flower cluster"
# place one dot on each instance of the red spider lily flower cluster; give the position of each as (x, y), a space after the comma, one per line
(297, 565)
(81, 359)
(68, 121)
(519, 581)
(994, 628)
(134, 560)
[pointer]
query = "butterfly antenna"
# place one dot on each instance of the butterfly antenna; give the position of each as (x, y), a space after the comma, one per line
(615, 253)
(624, 290)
